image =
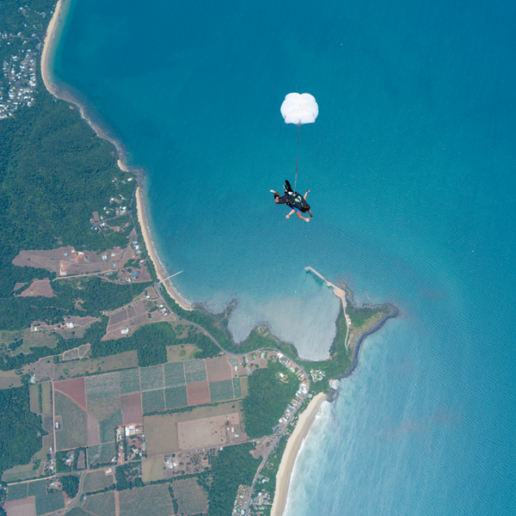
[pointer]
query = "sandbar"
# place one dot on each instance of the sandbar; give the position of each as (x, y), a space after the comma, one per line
(292, 449)
(162, 274)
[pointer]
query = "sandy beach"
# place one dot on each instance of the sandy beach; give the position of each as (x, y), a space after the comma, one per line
(289, 457)
(152, 253)
(46, 49)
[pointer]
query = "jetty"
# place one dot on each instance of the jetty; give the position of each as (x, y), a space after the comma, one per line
(339, 292)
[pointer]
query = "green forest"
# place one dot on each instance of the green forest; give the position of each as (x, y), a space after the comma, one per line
(20, 429)
(268, 398)
(232, 467)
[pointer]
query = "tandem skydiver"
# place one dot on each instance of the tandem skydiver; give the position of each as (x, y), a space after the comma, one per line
(294, 200)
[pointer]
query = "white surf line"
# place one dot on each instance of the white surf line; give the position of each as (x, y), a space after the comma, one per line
(339, 293)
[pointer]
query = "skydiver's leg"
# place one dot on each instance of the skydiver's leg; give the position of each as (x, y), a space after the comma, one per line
(301, 217)
(293, 211)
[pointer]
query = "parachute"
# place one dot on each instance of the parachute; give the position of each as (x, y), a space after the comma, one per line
(299, 109)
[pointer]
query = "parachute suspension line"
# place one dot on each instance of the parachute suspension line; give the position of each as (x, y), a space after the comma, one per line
(297, 159)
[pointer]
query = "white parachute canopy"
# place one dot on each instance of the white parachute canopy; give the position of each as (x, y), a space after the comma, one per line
(299, 109)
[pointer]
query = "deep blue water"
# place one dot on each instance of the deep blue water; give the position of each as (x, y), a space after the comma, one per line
(411, 166)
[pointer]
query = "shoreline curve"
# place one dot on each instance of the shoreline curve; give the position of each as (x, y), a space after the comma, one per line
(140, 207)
(288, 461)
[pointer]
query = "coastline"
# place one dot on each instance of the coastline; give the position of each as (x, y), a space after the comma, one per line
(288, 460)
(160, 271)
(47, 43)
(142, 219)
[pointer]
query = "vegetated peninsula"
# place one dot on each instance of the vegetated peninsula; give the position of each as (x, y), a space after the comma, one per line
(116, 399)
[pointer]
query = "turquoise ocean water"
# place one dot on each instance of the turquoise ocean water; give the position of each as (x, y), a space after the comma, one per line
(411, 166)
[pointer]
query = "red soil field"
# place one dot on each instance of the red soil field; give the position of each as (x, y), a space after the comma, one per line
(198, 393)
(132, 408)
(218, 369)
(25, 507)
(74, 389)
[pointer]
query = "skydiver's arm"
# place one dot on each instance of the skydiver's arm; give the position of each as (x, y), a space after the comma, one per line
(306, 195)
(293, 211)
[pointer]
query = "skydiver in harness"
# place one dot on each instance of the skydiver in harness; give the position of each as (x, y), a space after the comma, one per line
(294, 200)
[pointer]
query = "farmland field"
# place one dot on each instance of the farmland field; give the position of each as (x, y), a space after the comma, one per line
(74, 430)
(191, 497)
(221, 391)
(153, 401)
(102, 504)
(74, 389)
(244, 382)
(102, 409)
(96, 480)
(107, 427)
(237, 388)
(101, 454)
(152, 470)
(129, 381)
(45, 398)
(24, 507)
(77, 511)
(205, 432)
(102, 387)
(38, 488)
(93, 365)
(151, 378)
(174, 374)
(17, 492)
(198, 393)
(34, 398)
(153, 500)
(175, 397)
(132, 408)
(218, 369)
(195, 371)
(161, 434)
(49, 503)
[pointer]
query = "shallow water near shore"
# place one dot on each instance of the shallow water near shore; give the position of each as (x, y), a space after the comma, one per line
(411, 170)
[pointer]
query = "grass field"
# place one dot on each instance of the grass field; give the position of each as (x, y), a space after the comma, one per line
(9, 379)
(74, 430)
(101, 453)
(244, 382)
(129, 381)
(180, 352)
(94, 365)
(102, 386)
(175, 397)
(153, 401)
(174, 374)
(161, 432)
(49, 503)
(237, 388)
(191, 497)
(96, 480)
(153, 500)
(195, 371)
(102, 504)
(34, 399)
(152, 470)
(107, 427)
(221, 391)
(151, 378)
(46, 398)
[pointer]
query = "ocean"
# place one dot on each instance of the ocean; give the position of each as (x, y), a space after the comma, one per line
(411, 170)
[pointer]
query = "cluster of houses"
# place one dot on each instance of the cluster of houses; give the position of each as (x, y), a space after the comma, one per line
(20, 77)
